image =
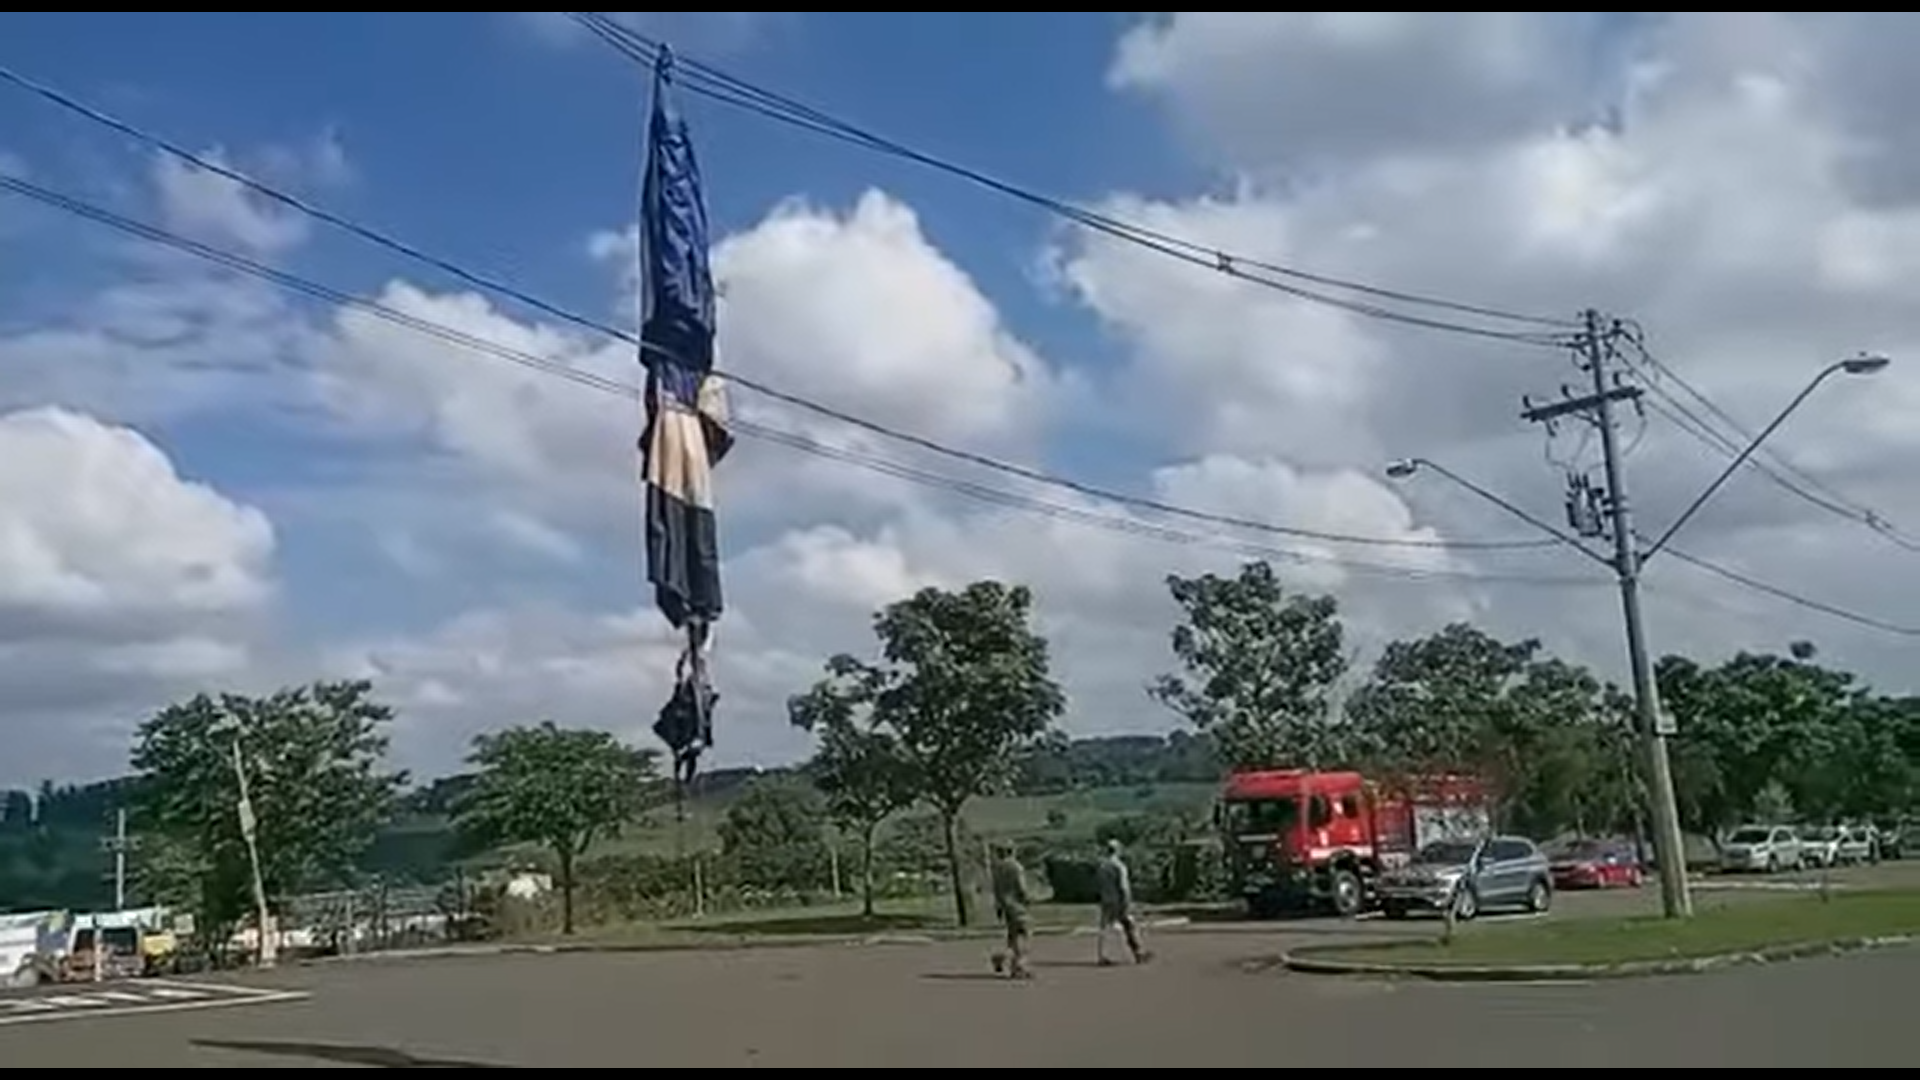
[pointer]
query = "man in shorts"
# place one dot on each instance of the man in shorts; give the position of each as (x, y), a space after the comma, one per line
(1116, 906)
(1010, 900)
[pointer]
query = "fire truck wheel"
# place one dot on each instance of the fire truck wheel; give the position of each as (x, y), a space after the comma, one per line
(1345, 892)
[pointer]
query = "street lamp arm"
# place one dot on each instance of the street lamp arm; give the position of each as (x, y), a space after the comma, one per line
(1409, 466)
(1863, 365)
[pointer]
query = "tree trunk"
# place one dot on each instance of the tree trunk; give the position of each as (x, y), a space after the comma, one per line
(566, 892)
(962, 910)
(866, 869)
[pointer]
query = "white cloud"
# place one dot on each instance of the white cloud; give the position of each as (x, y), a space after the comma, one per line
(210, 207)
(1747, 206)
(856, 309)
(1339, 83)
(1723, 211)
(120, 582)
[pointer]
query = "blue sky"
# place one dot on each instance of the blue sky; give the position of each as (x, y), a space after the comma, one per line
(503, 148)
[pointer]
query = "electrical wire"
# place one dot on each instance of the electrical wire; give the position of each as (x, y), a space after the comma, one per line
(1778, 593)
(499, 287)
(716, 85)
(1778, 469)
(546, 366)
(316, 290)
(1164, 244)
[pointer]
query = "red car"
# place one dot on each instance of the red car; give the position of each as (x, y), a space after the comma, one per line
(1595, 864)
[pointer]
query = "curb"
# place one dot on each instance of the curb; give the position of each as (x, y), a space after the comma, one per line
(1311, 960)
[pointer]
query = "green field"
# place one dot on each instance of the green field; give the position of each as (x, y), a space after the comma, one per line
(1068, 814)
(1733, 928)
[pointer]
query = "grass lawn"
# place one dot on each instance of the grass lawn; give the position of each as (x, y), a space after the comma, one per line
(1730, 929)
(990, 816)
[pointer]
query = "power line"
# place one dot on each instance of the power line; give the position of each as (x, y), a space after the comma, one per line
(1172, 247)
(1782, 472)
(714, 84)
(1778, 593)
(316, 290)
(494, 285)
(543, 365)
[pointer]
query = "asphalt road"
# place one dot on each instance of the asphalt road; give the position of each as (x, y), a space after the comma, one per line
(935, 1006)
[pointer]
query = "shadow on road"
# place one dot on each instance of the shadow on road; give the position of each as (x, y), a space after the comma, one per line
(372, 1057)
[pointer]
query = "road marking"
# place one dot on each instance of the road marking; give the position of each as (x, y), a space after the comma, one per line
(147, 997)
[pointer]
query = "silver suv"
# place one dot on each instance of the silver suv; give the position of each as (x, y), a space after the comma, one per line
(1474, 876)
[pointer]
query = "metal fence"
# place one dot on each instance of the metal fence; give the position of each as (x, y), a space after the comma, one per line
(376, 918)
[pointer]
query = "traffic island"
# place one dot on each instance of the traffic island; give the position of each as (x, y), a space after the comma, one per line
(1543, 950)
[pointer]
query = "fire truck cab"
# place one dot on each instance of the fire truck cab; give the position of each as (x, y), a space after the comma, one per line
(1300, 840)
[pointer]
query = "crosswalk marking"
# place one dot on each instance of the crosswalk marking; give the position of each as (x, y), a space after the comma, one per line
(134, 998)
(173, 993)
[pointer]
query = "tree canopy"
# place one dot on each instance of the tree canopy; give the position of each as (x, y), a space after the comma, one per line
(776, 833)
(560, 788)
(962, 685)
(1260, 668)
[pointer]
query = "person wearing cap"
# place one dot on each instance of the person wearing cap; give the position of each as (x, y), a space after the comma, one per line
(1116, 906)
(1010, 900)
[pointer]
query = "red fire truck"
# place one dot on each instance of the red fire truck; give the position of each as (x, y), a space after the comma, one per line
(1297, 840)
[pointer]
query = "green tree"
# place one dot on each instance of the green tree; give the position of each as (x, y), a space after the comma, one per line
(1260, 669)
(1434, 704)
(1753, 722)
(862, 772)
(775, 833)
(315, 761)
(1567, 753)
(963, 685)
(1534, 726)
(560, 788)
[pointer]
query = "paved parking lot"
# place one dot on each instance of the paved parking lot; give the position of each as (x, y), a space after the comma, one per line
(1204, 1003)
(1197, 1005)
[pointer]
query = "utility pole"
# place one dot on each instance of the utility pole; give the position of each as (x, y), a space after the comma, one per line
(1598, 408)
(269, 949)
(119, 844)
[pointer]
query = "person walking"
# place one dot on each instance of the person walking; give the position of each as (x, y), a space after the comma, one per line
(1116, 907)
(1010, 900)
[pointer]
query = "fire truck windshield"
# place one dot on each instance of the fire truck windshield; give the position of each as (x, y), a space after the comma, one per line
(1260, 817)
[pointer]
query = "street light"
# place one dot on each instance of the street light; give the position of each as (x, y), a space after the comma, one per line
(1626, 562)
(1667, 846)
(1864, 364)
(1407, 468)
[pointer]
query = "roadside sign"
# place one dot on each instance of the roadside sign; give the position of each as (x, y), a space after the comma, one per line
(1664, 723)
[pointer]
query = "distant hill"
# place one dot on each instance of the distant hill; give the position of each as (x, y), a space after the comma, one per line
(53, 852)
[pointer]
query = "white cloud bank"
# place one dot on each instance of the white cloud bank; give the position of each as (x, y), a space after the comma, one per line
(1751, 206)
(120, 583)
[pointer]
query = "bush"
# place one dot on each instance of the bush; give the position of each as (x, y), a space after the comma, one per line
(1073, 880)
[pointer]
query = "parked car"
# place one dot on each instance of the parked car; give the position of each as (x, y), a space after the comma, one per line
(1820, 845)
(1472, 876)
(1893, 836)
(1595, 864)
(1763, 848)
(1858, 845)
